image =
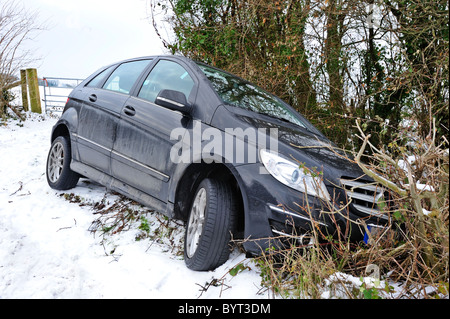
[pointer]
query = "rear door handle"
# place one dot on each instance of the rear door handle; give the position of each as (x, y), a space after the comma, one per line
(93, 98)
(129, 110)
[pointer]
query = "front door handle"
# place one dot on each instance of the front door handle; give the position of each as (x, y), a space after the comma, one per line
(93, 98)
(129, 110)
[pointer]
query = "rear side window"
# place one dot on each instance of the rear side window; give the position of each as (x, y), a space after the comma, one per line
(123, 78)
(100, 77)
(166, 75)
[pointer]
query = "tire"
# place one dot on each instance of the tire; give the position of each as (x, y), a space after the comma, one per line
(59, 174)
(211, 223)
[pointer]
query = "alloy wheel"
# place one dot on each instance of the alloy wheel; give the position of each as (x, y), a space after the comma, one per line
(56, 162)
(196, 222)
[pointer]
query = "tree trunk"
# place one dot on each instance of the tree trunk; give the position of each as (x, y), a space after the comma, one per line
(23, 83)
(335, 20)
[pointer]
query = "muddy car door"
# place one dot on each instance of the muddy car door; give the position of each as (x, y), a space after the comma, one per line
(141, 152)
(100, 113)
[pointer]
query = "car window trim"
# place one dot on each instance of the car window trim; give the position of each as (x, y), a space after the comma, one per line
(100, 86)
(106, 76)
(140, 80)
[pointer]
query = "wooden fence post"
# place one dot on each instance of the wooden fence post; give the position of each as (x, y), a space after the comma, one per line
(23, 84)
(33, 86)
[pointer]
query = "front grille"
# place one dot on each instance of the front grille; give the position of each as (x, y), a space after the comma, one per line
(365, 197)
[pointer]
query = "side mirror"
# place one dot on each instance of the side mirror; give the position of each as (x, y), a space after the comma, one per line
(174, 100)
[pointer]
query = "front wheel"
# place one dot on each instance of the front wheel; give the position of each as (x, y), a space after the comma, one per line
(212, 221)
(59, 174)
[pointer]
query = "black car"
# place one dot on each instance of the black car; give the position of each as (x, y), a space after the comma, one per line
(202, 145)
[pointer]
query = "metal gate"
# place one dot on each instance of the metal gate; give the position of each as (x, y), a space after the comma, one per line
(56, 91)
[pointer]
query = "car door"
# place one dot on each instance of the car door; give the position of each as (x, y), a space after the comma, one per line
(105, 96)
(141, 152)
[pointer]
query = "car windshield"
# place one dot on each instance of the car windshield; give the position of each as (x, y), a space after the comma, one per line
(237, 92)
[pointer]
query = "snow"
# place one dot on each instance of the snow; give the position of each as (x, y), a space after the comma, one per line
(48, 251)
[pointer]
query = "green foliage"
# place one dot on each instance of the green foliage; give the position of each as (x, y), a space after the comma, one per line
(144, 225)
(383, 62)
(238, 268)
(370, 293)
(256, 40)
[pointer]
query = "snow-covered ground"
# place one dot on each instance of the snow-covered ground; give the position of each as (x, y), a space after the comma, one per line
(48, 251)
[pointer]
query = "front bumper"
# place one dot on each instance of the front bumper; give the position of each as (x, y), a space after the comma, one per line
(276, 214)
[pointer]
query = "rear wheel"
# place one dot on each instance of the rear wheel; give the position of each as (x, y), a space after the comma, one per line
(211, 223)
(59, 174)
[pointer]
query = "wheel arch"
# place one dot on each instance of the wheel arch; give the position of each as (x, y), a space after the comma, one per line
(67, 123)
(192, 177)
(64, 128)
(60, 130)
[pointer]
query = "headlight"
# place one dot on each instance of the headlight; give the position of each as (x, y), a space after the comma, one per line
(291, 174)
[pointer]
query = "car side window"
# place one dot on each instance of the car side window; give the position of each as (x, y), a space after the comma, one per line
(166, 75)
(99, 77)
(123, 78)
